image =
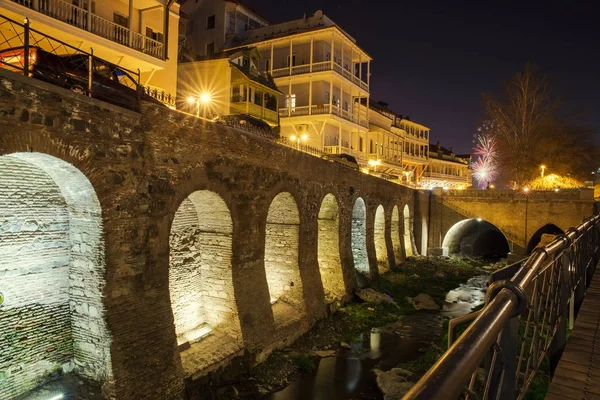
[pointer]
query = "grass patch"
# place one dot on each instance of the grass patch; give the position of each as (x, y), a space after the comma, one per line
(305, 363)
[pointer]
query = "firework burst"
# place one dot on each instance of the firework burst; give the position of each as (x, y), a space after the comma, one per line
(485, 165)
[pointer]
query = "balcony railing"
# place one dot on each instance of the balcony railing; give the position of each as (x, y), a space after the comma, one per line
(81, 18)
(321, 109)
(255, 110)
(318, 67)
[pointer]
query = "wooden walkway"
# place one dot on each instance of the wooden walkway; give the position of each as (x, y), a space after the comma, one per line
(577, 376)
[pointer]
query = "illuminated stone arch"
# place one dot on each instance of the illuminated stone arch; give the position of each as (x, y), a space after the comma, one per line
(408, 235)
(359, 237)
(330, 265)
(395, 229)
(379, 240)
(281, 259)
(549, 229)
(201, 281)
(475, 237)
(52, 269)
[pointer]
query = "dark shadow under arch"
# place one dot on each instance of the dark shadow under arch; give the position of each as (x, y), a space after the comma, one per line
(548, 229)
(477, 238)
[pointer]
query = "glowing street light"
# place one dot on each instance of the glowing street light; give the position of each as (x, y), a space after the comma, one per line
(374, 164)
(204, 99)
(297, 139)
(543, 167)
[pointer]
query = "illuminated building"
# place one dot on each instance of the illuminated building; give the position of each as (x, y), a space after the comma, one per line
(134, 34)
(446, 169)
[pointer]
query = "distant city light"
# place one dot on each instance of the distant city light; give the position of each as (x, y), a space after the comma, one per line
(478, 219)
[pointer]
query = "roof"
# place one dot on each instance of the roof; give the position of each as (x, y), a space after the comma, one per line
(433, 153)
(316, 22)
(259, 78)
(237, 3)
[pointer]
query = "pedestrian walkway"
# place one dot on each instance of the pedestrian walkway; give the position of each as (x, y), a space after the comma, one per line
(577, 376)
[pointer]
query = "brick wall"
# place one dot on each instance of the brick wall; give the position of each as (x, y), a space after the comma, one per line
(51, 274)
(359, 237)
(330, 266)
(379, 238)
(142, 168)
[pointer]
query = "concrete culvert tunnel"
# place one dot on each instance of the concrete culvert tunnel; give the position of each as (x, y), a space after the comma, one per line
(477, 238)
(548, 229)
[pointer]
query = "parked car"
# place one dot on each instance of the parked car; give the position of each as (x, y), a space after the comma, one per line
(110, 83)
(344, 159)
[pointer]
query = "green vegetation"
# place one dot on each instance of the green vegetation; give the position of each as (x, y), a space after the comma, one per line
(434, 276)
(305, 363)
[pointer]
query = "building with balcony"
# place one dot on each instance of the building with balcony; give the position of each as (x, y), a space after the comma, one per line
(214, 25)
(231, 83)
(384, 142)
(321, 72)
(134, 34)
(447, 169)
(415, 153)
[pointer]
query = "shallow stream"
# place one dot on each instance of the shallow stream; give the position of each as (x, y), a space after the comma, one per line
(349, 374)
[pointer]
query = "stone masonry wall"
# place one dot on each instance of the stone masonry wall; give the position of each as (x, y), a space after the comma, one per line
(396, 234)
(379, 236)
(359, 238)
(330, 265)
(35, 325)
(281, 250)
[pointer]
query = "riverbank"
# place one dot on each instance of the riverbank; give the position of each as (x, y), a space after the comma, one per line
(411, 338)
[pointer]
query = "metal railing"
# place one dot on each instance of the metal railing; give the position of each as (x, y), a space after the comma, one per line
(318, 67)
(523, 322)
(70, 59)
(83, 19)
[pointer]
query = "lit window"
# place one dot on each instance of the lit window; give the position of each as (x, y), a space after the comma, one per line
(290, 101)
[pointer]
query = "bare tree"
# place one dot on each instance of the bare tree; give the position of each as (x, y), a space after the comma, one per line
(520, 121)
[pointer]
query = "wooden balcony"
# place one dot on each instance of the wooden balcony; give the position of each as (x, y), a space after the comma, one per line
(323, 109)
(318, 67)
(85, 20)
(254, 110)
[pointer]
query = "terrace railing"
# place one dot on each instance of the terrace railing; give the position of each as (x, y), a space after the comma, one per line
(524, 321)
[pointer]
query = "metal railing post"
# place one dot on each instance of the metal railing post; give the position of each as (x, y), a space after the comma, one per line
(90, 71)
(560, 337)
(26, 45)
(503, 382)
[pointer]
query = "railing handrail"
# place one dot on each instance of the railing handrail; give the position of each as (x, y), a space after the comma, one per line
(446, 379)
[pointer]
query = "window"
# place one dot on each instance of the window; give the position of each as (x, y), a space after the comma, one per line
(258, 98)
(210, 22)
(120, 20)
(293, 60)
(360, 144)
(245, 62)
(328, 56)
(210, 48)
(327, 97)
(267, 65)
(290, 101)
(152, 34)
(345, 105)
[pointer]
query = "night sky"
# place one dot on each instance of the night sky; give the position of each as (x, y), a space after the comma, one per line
(433, 60)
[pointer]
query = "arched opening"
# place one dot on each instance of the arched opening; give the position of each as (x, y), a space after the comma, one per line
(281, 258)
(477, 238)
(395, 228)
(330, 265)
(379, 240)
(408, 242)
(544, 235)
(201, 280)
(52, 270)
(359, 237)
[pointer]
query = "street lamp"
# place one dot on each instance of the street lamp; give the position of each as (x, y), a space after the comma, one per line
(374, 164)
(204, 99)
(297, 139)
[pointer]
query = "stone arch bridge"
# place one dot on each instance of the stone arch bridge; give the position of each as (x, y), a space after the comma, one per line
(483, 220)
(144, 251)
